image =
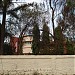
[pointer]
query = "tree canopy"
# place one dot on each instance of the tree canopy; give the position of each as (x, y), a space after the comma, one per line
(59, 15)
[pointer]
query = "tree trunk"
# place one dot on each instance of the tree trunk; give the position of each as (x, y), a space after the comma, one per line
(52, 18)
(53, 24)
(20, 52)
(3, 30)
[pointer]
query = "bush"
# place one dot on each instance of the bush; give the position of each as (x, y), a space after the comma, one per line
(70, 48)
(7, 49)
(35, 73)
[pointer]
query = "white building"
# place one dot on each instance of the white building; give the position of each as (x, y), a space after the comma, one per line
(27, 44)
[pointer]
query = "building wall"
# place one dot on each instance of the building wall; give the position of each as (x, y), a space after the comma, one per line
(27, 43)
(14, 42)
(45, 64)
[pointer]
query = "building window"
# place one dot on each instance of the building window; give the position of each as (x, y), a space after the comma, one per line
(28, 42)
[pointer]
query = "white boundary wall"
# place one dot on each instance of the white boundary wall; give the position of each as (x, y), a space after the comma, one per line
(46, 64)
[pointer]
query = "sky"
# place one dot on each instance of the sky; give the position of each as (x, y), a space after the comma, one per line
(29, 1)
(33, 1)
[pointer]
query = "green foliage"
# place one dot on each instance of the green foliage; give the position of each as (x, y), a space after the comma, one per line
(20, 52)
(69, 7)
(70, 3)
(4, 6)
(36, 39)
(37, 73)
(58, 40)
(0, 29)
(7, 49)
(69, 18)
(58, 33)
(45, 40)
(70, 47)
(6, 3)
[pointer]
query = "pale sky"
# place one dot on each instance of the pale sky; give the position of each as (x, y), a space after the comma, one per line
(33, 1)
(29, 1)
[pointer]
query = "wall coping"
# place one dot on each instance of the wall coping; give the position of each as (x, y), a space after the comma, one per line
(36, 56)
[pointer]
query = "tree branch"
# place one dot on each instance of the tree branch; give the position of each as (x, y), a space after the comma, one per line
(50, 5)
(49, 33)
(57, 15)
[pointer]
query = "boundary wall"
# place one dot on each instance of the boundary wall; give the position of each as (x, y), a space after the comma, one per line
(43, 64)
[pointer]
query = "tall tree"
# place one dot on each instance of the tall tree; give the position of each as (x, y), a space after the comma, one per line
(68, 24)
(20, 26)
(0, 33)
(45, 40)
(4, 8)
(69, 19)
(4, 5)
(59, 49)
(70, 47)
(55, 8)
(36, 39)
(27, 17)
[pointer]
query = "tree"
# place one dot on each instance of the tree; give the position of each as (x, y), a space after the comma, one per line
(67, 25)
(27, 18)
(45, 40)
(4, 4)
(4, 8)
(59, 49)
(7, 49)
(68, 19)
(70, 47)
(36, 39)
(0, 34)
(55, 6)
